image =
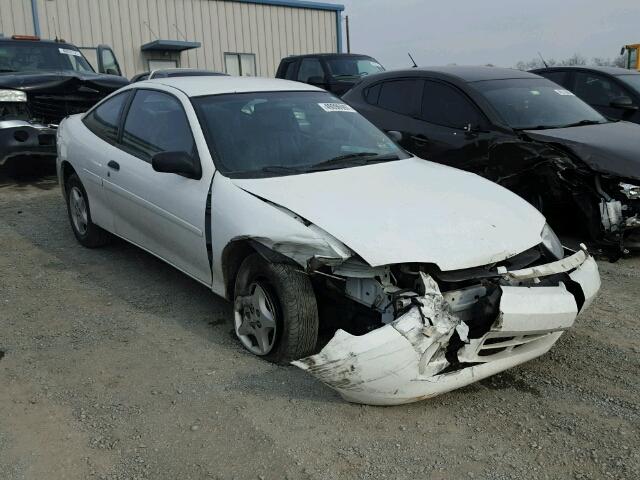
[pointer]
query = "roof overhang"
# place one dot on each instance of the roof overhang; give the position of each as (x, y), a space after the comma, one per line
(297, 4)
(169, 46)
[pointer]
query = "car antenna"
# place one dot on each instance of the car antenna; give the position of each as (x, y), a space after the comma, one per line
(415, 65)
(543, 62)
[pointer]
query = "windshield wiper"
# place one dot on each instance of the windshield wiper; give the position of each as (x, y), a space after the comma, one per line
(280, 169)
(3, 70)
(550, 127)
(350, 159)
(582, 122)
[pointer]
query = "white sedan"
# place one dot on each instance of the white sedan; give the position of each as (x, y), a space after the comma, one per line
(389, 278)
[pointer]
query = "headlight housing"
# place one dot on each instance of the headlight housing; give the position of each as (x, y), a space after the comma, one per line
(13, 96)
(551, 242)
(632, 192)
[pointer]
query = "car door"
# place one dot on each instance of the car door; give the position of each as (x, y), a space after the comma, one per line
(103, 121)
(452, 128)
(163, 213)
(107, 62)
(598, 91)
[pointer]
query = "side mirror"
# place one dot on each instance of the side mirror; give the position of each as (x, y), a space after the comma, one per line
(318, 81)
(624, 103)
(180, 163)
(395, 135)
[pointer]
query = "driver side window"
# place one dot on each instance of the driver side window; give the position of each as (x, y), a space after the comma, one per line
(596, 89)
(446, 106)
(156, 123)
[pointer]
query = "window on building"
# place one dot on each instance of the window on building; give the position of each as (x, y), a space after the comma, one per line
(240, 64)
(103, 120)
(399, 96)
(310, 67)
(162, 64)
(596, 89)
(444, 105)
(171, 132)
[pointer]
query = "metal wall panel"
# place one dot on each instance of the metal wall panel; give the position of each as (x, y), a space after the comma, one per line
(271, 32)
(16, 18)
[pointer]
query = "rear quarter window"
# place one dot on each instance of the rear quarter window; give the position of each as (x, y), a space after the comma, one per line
(104, 119)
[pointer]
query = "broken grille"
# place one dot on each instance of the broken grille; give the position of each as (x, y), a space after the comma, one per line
(53, 108)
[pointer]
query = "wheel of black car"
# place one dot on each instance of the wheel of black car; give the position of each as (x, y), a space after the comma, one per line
(87, 233)
(275, 310)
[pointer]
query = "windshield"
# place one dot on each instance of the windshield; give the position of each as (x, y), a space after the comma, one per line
(16, 56)
(633, 80)
(353, 66)
(280, 133)
(536, 103)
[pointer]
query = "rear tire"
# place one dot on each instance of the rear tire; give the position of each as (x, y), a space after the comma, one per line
(275, 310)
(87, 233)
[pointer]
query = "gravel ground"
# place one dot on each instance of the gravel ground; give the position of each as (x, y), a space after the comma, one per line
(117, 366)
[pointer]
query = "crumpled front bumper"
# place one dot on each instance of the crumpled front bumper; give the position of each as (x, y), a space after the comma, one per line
(20, 138)
(402, 362)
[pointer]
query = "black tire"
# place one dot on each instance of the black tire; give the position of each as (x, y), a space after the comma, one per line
(93, 236)
(290, 289)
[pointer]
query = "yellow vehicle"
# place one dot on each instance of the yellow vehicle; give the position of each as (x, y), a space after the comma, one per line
(632, 53)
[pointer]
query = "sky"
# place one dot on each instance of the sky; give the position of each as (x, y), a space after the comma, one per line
(500, 32)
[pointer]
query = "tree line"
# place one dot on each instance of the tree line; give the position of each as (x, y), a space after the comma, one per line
(575, 59)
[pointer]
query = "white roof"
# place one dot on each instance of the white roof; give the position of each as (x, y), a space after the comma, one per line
(214, 85)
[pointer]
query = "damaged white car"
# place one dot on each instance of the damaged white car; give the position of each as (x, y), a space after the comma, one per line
(388, 278)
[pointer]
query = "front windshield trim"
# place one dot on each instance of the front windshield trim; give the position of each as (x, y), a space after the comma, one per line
(307, 164)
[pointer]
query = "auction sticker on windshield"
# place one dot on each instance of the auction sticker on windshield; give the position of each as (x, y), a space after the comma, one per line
(336, 107)
(66, 51)
(564, 92)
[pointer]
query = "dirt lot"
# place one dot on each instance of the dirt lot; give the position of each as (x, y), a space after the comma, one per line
(117, 366)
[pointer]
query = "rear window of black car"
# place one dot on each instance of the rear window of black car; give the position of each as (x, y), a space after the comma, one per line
(397, 95)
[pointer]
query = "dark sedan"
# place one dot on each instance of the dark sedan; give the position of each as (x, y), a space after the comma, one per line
(522, 131)
(614, 92)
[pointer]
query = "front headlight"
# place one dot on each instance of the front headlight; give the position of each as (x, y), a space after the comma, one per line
(551, 242)
(12, 96)
(632, 192)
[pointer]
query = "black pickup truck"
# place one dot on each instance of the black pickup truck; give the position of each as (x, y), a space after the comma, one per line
(41, 82)
(335, 72)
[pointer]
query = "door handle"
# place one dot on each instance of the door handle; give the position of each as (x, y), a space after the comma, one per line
(420, 139)
(113, 165)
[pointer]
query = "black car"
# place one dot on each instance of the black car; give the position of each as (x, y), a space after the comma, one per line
(614, 92)
(41, 82)
(522, 131)
(335, 72)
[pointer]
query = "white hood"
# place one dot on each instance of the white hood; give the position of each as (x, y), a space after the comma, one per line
(409, 211)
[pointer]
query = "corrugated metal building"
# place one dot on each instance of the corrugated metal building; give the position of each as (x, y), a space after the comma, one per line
(247, 37)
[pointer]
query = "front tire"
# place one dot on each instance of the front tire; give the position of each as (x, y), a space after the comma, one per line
(275, 310)
(87, 233)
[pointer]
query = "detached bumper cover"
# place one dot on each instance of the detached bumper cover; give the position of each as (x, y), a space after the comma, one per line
(401, 362)
(18, 138)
